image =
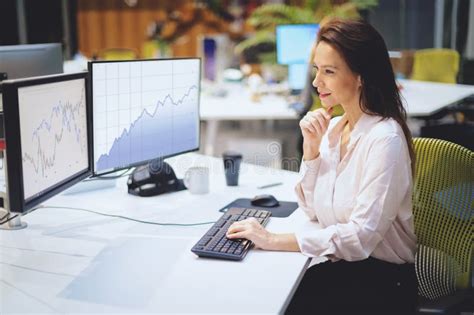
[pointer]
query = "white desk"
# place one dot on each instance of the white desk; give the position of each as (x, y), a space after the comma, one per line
(69, 261)
(238, 105)
(423, 99)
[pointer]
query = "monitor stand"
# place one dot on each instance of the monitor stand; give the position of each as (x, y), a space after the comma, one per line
(154, 178)
(14, 223)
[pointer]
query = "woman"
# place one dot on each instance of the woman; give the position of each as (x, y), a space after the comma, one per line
(356, 183)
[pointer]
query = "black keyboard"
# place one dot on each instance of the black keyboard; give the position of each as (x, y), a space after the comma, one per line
(215, 244)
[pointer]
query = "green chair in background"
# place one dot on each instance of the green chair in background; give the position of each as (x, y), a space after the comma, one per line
(338, 110)
(117, 54)
(443, 202)
(435, 64)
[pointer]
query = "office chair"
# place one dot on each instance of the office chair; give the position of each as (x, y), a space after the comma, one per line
(117, 54)
(443, 200)
(435, 64)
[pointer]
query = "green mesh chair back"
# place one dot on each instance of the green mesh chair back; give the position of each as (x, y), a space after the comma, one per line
(443, 199)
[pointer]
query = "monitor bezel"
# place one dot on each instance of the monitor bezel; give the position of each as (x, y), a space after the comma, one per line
(91, 92)
(281, 26)
(15, 188)
(49, 55)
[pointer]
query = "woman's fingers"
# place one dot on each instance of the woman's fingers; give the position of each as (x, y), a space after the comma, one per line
(321, 122)
(235, 228)
(318, 121)
(306, 125)
(242, 228)
(242, 234)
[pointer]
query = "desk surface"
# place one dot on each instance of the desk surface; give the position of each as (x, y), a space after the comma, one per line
(75, 261)
(426, 98)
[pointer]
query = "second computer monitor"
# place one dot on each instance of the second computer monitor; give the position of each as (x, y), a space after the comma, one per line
(143, 110)
(47, 135)
(21, 61)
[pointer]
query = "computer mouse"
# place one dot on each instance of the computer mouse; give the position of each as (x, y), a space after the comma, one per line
(264, 201)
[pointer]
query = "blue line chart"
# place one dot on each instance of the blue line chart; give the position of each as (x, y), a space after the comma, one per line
(163, 130)
(65, 118)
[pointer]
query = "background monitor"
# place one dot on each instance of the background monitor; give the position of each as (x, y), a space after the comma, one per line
(294, 43)
(21, 61)
(297, 76)
(47, 135)
(143, 110)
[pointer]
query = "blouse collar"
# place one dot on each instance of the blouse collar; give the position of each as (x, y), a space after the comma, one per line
(362, 126)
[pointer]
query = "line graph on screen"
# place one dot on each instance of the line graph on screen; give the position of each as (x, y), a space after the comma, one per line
(53, 130)
(142, 111)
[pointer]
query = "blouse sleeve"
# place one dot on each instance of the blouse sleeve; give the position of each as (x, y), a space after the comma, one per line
(385, 184)
(305, 187)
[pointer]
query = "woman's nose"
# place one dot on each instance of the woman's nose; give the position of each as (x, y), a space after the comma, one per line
(317, 81)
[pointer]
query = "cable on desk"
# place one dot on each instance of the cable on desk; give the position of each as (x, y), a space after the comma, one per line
(6, 215)
(105, 177)
(9, 219)
(128, 218)
(22, 214)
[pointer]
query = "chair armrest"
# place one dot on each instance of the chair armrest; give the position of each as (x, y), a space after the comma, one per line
(444, 305)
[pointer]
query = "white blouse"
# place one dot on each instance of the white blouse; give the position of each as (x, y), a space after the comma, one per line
(362, 203)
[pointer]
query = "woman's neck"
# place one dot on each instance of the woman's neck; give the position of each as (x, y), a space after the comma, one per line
(353, 113)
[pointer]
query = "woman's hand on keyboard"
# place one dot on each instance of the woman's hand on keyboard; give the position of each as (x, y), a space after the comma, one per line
(252, 230)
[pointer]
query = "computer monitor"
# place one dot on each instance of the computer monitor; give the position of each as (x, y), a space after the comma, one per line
(294, 42)
(21, 61)
(293, 45)
(143, 110)
(48, 137)
(297, 76)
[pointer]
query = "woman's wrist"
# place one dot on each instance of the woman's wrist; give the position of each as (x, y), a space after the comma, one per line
(283, 242)
(310, 151)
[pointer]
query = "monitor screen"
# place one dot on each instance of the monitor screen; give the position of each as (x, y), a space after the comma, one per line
(47, 135)
(294, 42)
(143, 110)
(21, 61)
(297, 76)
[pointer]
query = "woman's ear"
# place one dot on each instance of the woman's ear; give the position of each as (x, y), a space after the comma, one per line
(359, 81)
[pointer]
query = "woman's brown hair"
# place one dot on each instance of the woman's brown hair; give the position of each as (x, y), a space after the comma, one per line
(365, 52)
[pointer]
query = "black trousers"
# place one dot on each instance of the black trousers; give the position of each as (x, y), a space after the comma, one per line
(370, 286)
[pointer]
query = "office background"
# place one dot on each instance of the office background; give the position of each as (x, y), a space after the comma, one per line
(145, 29)
(264, 128)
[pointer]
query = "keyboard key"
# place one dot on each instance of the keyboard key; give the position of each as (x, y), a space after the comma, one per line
(212, 232)
(252, 212)
(220, 224)
(204, 241)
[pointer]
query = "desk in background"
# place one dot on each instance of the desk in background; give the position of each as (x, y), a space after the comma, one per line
(69, 261)
(422, 100)
(237, 104)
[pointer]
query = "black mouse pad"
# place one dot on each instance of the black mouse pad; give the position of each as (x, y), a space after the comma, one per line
(282, 211)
